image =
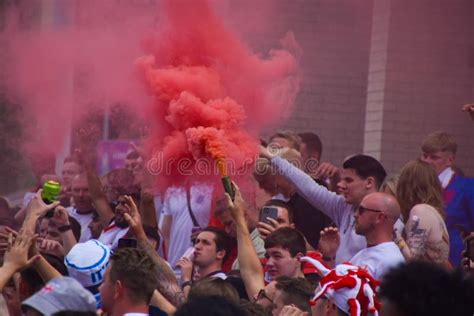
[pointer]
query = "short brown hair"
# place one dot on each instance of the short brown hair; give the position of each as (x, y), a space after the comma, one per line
(439, 141)
(214, 287)
(313, 142)
(138, 272)
(297, 291)
(222, 239)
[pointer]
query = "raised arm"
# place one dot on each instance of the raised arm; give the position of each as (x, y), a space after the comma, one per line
(96, 191)
(320, 197)
(469, 108)
(168, 285)
(147, 208)
(46, 271)
(16, 257)
(61, 219)
(35, 209)
(250, 266)
(147, 200)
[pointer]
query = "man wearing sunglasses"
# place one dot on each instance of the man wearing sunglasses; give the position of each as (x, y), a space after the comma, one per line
(374, 219)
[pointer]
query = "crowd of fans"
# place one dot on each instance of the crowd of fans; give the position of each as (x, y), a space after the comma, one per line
(304, 238)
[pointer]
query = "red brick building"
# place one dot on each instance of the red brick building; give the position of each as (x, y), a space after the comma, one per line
(378, 76)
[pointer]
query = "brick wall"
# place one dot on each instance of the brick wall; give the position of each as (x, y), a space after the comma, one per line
(378, 76)
(421, 72)
(335, 37)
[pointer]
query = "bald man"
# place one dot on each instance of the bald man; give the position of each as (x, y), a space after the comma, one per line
(374, 219)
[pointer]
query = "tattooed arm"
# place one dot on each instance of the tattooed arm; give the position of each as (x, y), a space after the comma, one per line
(417, 230)
(168, 285)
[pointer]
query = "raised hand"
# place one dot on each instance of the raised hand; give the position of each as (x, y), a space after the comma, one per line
(16, 256)
(469, 108)
(329, 241)
(266, 229)
(326, 169)
(186, 266)
(237, 206)
(37, 207)
(61, 217)
(133, 217)
(50, 246)
(292, 310)
(265, 152)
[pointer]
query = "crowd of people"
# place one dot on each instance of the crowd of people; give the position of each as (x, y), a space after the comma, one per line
(301, 237)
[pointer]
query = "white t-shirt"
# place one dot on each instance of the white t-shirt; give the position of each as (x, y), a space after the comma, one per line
(379, 259)
(111, 235)
(84, 220)
(176, 205)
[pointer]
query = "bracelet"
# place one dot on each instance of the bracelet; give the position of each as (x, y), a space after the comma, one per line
(186, 283)
(401, 244)
(64, 228)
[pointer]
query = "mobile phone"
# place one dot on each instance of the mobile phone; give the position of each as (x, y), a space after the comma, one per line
(268, 212)
(469, 249)
(127, 243)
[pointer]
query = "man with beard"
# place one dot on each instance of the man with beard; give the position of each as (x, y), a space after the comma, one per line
(374, 219)
(111, 213)
(118, 227)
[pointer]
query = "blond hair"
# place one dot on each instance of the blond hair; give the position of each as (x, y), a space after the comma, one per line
(390, 185)
(419, 184)
(265, 173)
(290, 136)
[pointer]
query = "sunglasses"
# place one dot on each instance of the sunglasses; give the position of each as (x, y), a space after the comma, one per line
(261, 295)
(362, 209)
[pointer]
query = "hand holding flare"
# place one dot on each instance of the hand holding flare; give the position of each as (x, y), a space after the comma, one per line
(225, 178)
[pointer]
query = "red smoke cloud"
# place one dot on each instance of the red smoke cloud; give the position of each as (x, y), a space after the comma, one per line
(212, 93)
(207, 95)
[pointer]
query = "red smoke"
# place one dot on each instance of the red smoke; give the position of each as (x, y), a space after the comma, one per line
(212, 94)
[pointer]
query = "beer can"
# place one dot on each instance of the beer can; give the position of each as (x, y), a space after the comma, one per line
(51, 190)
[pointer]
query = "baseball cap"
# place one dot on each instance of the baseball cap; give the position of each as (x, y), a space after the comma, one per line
(61, 294)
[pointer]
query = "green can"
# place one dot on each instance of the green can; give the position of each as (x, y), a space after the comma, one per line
(51, 190)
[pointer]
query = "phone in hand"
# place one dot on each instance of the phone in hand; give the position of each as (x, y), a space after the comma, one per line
(268, 212)
(127, 243)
